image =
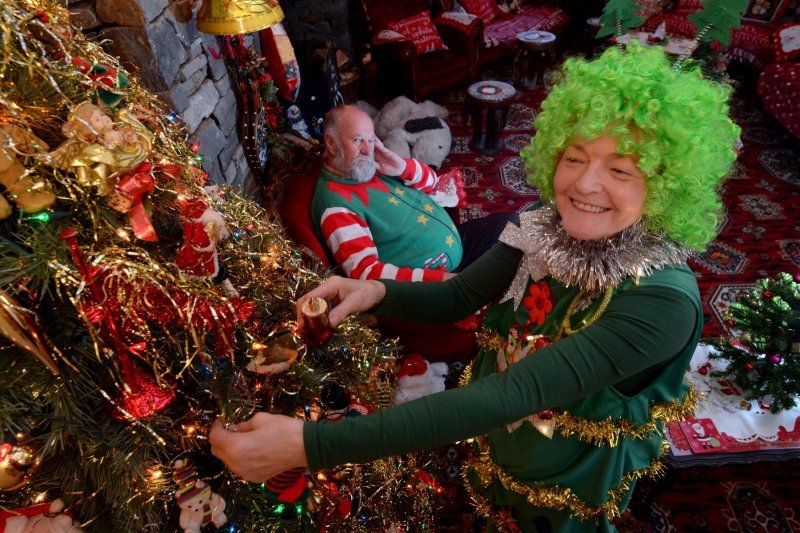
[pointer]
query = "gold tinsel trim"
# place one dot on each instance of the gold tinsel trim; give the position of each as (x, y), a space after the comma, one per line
(553, 496)
(466, 376)
(609, 431)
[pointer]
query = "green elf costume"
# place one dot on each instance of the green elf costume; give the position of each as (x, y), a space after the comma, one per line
(580, 366)
(387, 227)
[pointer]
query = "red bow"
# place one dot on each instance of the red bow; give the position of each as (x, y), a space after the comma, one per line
(128, 195)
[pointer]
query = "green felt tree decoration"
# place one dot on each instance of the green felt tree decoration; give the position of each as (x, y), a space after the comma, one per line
(717, 19)
(764, 358)
(618, 17)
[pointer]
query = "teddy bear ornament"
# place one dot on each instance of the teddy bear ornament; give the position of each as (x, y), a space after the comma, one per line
(199, 505)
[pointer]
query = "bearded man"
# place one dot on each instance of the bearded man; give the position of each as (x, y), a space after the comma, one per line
(372, 210)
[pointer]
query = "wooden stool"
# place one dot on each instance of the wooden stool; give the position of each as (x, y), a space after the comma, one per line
(535, 52)
(492, 97)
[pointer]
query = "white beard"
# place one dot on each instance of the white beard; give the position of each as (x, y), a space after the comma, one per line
(361, 170)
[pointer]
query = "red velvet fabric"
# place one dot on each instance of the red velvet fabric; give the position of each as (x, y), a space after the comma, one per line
(485, 9)
(778, 87)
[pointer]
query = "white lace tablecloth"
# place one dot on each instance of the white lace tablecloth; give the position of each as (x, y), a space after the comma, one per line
(742, 425)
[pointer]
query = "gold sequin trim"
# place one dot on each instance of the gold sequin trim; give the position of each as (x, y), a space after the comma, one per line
(550, 496)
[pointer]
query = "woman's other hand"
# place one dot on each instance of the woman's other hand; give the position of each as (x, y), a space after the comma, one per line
(261, 447)
(347, 296)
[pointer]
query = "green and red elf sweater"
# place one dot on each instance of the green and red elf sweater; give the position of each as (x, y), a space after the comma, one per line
(387, 227)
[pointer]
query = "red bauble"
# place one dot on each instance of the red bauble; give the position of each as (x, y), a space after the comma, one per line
(766, 294)
(749, 366)
(730, 323)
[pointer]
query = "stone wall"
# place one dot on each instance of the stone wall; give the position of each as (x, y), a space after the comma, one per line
(174, 61)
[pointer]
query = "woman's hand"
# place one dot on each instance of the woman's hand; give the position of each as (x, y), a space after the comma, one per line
(261, 447)
(347, 296)
(389, 163)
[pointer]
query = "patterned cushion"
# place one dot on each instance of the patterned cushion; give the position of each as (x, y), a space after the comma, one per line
(532, 17)
(485, 9)
(648, 8)
(419, 29)
(765, 12)
(677, 24)
(778, 86)
(461, 21)
(687, 6)
(786, 42)
(751, 45)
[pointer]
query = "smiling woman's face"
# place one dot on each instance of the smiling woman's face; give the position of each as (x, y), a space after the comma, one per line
(598, 192)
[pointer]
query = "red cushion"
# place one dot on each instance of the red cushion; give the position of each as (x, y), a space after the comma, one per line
(419, 29)
(295, 211)
(687, 6)
(752, 46)
(485, 9)
(778, 87)
(765, 12)
(786, 42)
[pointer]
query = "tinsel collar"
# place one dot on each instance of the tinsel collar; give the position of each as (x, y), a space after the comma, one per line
(590, 265)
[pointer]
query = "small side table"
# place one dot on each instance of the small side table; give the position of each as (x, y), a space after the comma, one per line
(535, 52)
(493, 98)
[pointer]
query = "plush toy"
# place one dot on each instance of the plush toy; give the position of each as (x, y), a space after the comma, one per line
(416, 377)
(28, 195)
(42, 518)
(199, 505)
(425, 139)
(414, 130)
(397, 112)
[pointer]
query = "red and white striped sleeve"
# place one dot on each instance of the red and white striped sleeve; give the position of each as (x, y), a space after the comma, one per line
(350, 241)
(420, 176)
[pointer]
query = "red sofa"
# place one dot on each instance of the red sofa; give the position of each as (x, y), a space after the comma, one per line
(500, 29)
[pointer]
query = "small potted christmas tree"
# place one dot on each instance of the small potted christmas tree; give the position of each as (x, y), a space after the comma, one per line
(764, 356)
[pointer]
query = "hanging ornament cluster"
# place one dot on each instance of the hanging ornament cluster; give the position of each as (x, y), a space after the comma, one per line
(764, 356)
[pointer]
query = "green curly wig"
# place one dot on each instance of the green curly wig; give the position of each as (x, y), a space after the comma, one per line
(674, 123)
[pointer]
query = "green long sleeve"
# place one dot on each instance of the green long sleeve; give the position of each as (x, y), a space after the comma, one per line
(644, 327)
(480, 283)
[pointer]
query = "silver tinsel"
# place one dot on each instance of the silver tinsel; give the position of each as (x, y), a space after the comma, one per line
(590, 265)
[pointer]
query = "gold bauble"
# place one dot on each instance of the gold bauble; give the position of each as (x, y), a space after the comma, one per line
(17, 463)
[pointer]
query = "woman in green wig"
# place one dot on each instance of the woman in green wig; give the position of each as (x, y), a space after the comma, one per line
(583, 356)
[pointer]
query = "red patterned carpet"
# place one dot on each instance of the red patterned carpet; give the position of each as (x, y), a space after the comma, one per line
(759, 236)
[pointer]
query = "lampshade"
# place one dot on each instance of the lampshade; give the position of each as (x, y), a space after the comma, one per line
(233, 17)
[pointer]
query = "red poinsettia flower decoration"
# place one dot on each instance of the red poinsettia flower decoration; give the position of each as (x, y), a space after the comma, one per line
(538, 302)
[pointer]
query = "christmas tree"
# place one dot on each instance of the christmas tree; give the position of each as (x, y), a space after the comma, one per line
(764, 357)
(138, 304)
(618, 17)
(718, 18)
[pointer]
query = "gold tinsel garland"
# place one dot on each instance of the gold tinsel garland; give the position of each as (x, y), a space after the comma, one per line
(549, 496)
